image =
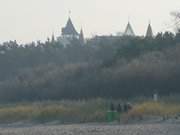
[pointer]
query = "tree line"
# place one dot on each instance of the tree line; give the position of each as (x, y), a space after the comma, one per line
(107, 67)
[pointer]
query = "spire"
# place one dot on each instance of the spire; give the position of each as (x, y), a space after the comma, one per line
(149, 32)
(129, 31)
(69, 29)
(53, 38)
(69, 13)
(81, 37)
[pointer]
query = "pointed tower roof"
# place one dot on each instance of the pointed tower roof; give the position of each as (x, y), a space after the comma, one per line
(149, 32)
(53, 38)
(81, 36)
(81, 33)
(69, 29)
(129, 31)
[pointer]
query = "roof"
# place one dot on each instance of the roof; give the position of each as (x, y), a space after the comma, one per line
(149, 32)
(69, 29)
(129, 31)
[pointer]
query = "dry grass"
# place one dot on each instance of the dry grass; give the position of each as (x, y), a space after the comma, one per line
(152, 108)
(64, 111)
(83, 111)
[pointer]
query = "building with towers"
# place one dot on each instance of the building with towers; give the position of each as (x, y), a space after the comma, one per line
(69, 33)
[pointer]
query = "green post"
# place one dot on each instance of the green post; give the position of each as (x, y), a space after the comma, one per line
(109, 116)
(112, 116)
(116, 115)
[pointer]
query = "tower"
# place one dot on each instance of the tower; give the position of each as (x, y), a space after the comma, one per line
(149, 33)
(69, 30)
(53, 38)
(129, 31)
(81, 37)
(68, 33)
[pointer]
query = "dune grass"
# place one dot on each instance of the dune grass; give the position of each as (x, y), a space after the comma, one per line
(151, 108)
(84, 111)
(63, 111)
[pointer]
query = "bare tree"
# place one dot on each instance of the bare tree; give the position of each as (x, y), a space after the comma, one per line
(176, 16)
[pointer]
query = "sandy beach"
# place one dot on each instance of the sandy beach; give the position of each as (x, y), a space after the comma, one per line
(90, 129)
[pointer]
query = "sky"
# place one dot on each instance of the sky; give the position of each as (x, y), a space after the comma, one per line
(32, 20)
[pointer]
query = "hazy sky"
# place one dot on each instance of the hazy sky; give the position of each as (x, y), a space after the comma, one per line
(28, 20)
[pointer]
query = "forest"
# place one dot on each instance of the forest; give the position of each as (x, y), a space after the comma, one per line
(105, 67)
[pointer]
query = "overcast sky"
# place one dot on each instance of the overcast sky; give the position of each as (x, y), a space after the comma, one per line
(30, 20)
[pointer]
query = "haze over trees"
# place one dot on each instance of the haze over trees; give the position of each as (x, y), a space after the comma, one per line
(107, 67)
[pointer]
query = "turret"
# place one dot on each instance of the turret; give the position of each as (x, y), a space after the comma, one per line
(129, 31)
(53, 38)
(69, 30)
(149, 33)
(81, 37)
